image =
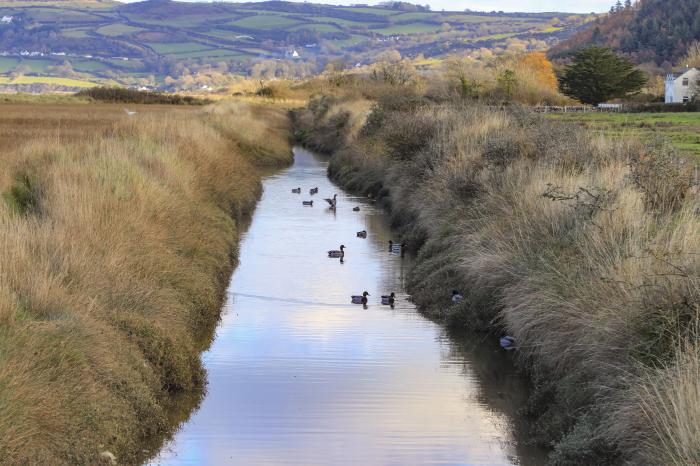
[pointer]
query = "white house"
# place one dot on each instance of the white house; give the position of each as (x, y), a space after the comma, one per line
(683, 88)
(6, 19)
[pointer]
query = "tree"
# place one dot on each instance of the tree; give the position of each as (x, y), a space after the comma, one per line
(597, 74)
(507, 80)
(537, 64)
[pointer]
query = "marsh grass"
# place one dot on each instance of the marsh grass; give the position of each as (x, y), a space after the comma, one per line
(117, 238)
(583, 248)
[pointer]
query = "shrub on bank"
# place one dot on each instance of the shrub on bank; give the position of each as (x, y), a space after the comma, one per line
(133, 96)
(583, 248)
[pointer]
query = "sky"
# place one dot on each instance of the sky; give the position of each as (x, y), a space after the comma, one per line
(569, 6)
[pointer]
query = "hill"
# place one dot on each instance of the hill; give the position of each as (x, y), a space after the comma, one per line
(651, 31)
(158, 42)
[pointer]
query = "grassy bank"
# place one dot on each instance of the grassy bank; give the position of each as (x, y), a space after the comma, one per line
(582, 247)
(118, 235)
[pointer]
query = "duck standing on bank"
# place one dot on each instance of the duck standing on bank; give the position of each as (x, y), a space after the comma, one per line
(507, 343)
(333, 202)
(457, 296)
(337, 252)
(360, 299)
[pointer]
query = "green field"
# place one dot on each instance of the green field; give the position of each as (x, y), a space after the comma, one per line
(683, 129)
(177, 47)
(411, 28)
(266, 21)
(7, 64)
(116, 29)
(46, 80)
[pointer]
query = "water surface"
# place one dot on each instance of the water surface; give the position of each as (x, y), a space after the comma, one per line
(299, 376)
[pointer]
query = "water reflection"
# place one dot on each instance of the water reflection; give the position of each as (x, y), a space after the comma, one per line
(298, 375)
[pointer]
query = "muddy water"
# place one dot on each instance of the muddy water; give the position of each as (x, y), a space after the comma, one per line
(297, 375)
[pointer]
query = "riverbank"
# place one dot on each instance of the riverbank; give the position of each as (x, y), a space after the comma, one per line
(584, 249)
(118, 238)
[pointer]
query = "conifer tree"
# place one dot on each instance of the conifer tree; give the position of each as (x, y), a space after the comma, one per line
(597, 75)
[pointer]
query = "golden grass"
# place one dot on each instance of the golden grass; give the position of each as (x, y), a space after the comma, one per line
(117, 236)
(583, 248)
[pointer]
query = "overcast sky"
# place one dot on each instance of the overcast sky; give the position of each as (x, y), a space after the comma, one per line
(572, 6)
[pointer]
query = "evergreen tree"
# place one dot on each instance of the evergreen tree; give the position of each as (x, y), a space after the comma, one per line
(597, 75)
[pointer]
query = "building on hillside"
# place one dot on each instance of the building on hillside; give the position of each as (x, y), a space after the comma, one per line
(683, 88)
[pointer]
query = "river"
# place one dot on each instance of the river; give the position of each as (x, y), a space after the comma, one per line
(297, 375)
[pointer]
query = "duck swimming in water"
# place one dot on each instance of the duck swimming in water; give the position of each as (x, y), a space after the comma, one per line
(337, 253)
(313, 191)
(296, 191)
(389, 300)
(355, 209)
(394, 247)
(333, 202)
(309, 203)
(360, 299)
(362, 234)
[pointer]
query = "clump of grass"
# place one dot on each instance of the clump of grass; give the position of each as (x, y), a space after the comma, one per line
(116, 250)
(583, 248)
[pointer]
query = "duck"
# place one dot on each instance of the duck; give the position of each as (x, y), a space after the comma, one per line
(456, 296)
(313, 191)
(296, 191)
(337, 253)
(507, 343)
(388, 300)
(394, 247)
(333, 202)
(362, 234)
(360, 299)
(309, 203)
(355, 209)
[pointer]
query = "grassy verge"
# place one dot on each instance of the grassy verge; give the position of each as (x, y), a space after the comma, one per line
(117, 238)
(584, 248)
(683, 129)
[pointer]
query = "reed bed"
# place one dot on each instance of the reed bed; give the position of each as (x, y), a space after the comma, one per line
(117, 238)
(585, 249)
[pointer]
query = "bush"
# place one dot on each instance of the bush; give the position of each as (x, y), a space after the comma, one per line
(132, 96)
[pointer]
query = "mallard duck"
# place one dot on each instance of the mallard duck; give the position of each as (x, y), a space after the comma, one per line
(389, 300)
(313, 191)
(456, 296)
(355, 209)
(333, 202)
(296, 191)
(360, 299)
(362, 234)
(309, 203)
(394, 248)
(507, 343)
(337, 253)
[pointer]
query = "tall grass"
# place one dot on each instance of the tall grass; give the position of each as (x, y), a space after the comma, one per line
(583, 248)
(115, 249)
